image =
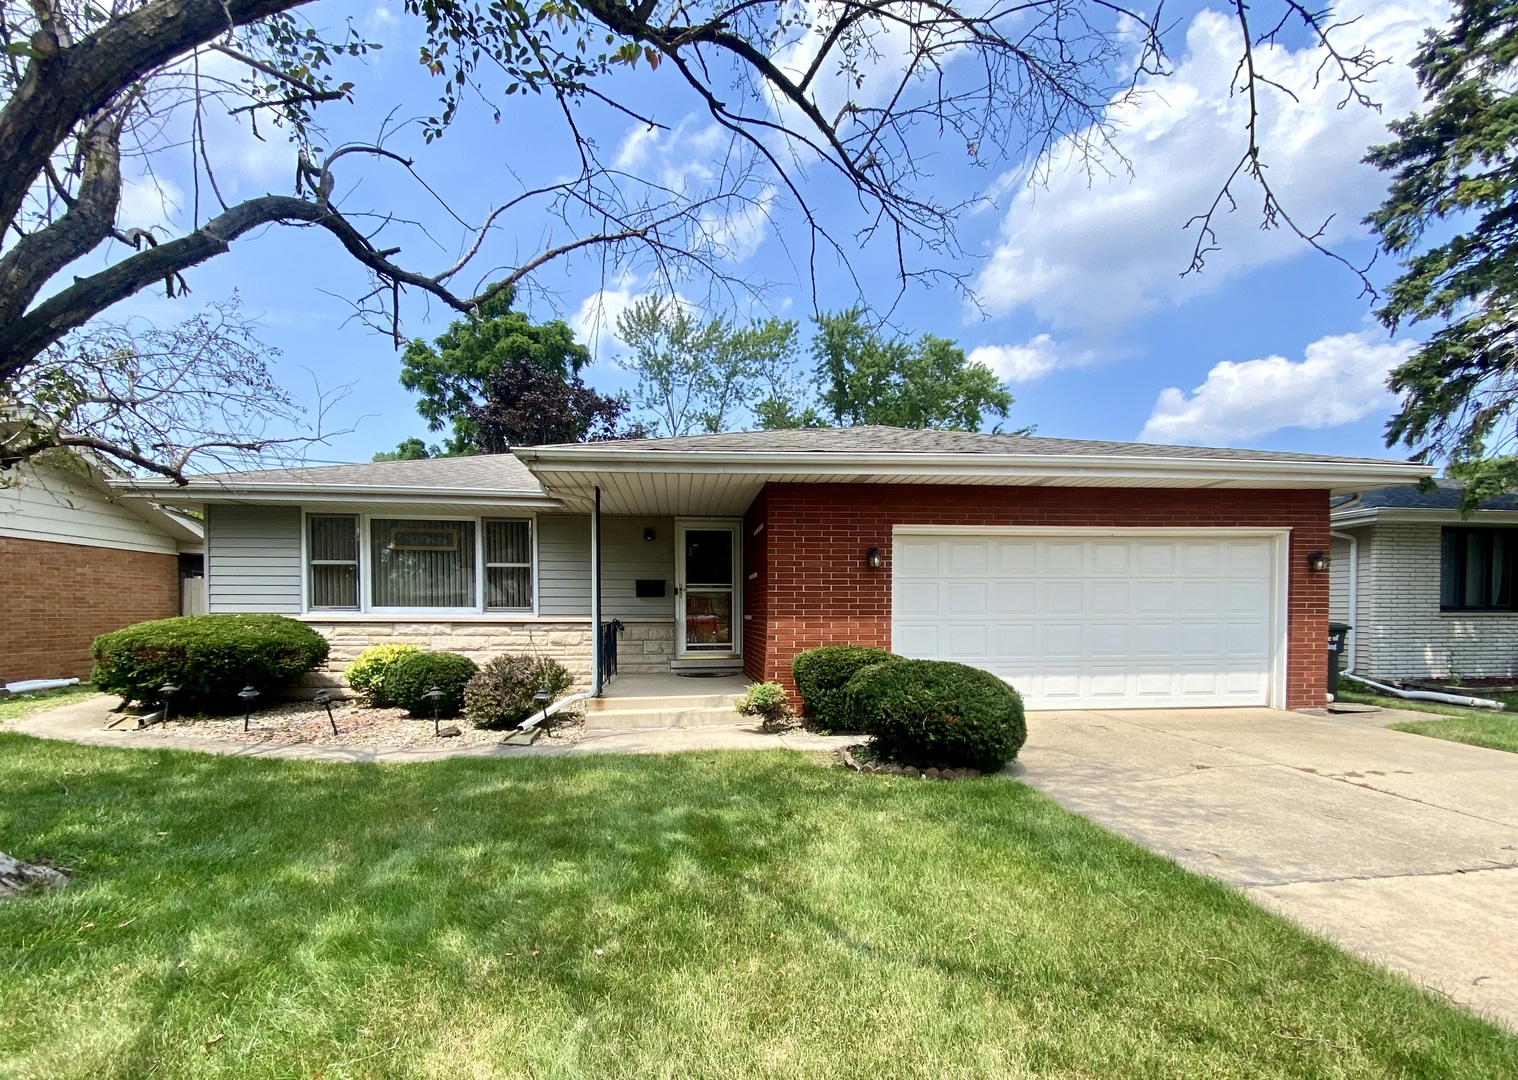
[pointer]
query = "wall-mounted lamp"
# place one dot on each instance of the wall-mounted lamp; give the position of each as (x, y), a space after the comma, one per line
(649, 534)
(1317, 562)
(874, 560)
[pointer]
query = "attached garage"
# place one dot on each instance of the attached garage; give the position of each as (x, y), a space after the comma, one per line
(1099, 618)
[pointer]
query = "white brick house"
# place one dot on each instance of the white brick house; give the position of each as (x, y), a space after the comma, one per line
(1430, 594)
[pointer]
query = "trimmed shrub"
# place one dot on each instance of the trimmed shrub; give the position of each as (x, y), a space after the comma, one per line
(502, 694)
(767, 701)
(367, 674)
(208, 657)
(410, 677)
(930, 713)
(821, 675)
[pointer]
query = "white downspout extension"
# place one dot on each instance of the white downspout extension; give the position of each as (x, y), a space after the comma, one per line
(1354, 597)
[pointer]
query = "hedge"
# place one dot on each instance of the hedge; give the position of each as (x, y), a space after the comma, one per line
(366, 675)
(821, 675)
(931, 713)
(208, 657)
(412, 676)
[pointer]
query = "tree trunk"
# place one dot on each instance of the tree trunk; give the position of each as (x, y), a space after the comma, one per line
(17, 877)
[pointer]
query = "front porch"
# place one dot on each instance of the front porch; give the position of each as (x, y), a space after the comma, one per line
(666, 700)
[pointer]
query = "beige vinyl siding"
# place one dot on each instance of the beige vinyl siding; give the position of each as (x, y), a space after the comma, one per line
(564, 566)
(253, 558)
(53, 505)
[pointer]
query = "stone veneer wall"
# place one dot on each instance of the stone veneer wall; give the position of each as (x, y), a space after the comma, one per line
(645, 647)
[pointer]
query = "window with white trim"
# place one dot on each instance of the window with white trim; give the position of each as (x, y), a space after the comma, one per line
(508, 564)
(421, 563)
(332, 562)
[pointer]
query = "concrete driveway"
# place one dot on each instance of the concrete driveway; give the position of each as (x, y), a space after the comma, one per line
(1399, 847)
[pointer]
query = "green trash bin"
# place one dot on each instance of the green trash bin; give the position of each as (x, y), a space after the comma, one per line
(1338, 633)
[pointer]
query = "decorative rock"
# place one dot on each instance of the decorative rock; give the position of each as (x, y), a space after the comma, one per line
(17, 877)
(931, 774)
(449, 732)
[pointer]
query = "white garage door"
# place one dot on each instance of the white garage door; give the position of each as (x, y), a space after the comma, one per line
(1094, 621)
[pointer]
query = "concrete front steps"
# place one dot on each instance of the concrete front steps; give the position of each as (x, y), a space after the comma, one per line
(646, 713)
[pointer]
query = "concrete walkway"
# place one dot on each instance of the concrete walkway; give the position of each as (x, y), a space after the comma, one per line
(1399, 847)
(84, 722)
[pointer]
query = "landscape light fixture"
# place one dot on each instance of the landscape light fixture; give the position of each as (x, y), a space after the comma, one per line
(541, 697)
(167, 692)
(248, 694)
(324, 697)
(435, 695)
(874, 559)
(1317, 562)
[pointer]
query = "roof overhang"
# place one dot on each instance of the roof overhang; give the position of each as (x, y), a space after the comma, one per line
(725, 482)
(1353, 517)
(198, 494)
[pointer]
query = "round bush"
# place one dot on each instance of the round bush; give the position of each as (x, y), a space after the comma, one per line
(930, 713)
(821, 675)
(503, 693)
(767, 701)
(367, 674)
(208, 657)
(413, 675)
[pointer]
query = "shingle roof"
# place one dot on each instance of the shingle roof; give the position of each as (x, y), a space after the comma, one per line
(886, 440)
(481, 472)
(1445, 497)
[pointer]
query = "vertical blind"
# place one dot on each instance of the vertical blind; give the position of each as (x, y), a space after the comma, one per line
(332, 550)
(508, 565)
(421, 563)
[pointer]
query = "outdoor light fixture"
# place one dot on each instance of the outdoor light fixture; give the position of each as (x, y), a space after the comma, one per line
(1317, 562)
(874, 560)
(649, 533)
(541, 697)
(435, 695)
(248, 694)
(324, 697)
(168, 690)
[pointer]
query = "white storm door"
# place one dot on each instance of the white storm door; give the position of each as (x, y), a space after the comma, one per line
(1099, 619)
(706, 589)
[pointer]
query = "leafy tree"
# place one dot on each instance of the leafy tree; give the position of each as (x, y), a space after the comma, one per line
(525, 405)
(860, 91)
(412, 449)
(452, 373)
(698, 375)
(1457, 162)
(868, 378)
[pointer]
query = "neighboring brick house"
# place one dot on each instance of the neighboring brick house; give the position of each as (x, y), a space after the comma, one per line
(77, 560)
(1087, 574)
(1430, 594)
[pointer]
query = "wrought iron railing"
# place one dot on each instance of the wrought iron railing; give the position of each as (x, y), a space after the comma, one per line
(608, 647)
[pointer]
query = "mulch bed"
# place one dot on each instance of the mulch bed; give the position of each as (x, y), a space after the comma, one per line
(304, 723)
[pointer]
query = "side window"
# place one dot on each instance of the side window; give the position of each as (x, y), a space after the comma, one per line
(508, 565)
(1476, 569)
(332, 562)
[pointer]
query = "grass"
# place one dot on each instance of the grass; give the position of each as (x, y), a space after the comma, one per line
(15, 706)
(1478, 727)
(702, 915)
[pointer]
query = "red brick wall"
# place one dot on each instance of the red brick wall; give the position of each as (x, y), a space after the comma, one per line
(815, 589)
(58, 597)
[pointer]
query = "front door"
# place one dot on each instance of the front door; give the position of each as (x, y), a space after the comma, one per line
(706, 589)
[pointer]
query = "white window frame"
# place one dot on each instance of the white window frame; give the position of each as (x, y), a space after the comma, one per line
(365, 564)
(306, 563)
(531, 564)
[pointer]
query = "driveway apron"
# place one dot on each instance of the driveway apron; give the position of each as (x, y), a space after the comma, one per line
(1401, 848)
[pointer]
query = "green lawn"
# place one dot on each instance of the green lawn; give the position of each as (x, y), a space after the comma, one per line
(1478, 727)
(17, 705)
(703, 915)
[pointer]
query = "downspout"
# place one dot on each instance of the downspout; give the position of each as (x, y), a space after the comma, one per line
(595, 598)
(1354, 598)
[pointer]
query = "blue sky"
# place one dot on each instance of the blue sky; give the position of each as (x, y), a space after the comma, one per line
(1080, 300)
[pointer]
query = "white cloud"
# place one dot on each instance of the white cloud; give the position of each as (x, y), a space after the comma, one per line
(149, 203)
(633, 151)
(595, 320)
(1097, 253)
(1341, 379)
(1031, 360)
